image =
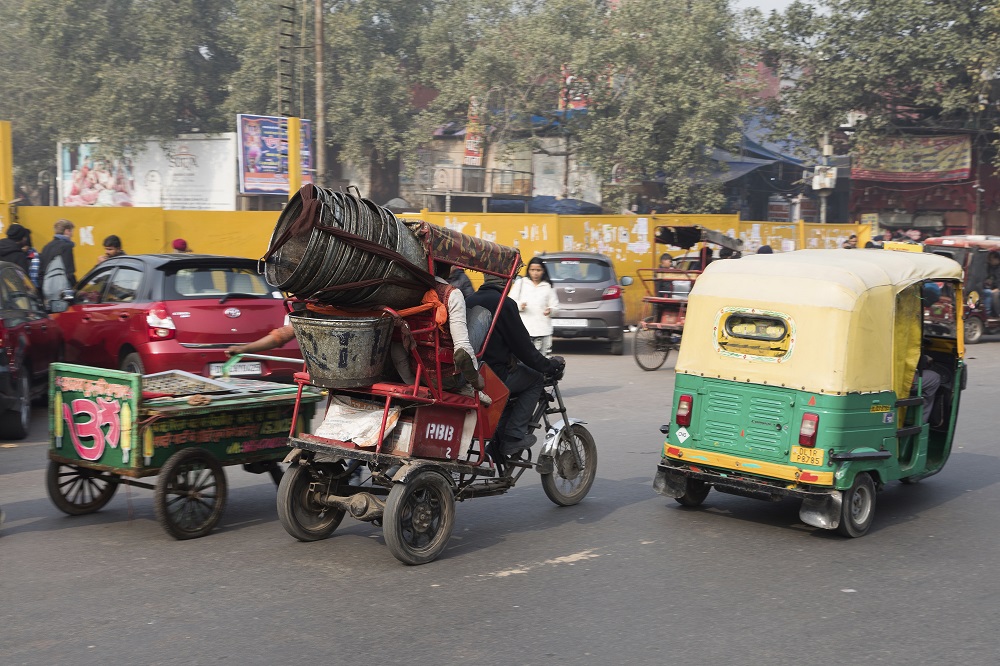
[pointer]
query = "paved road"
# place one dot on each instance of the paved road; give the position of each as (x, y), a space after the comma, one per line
(626, 577)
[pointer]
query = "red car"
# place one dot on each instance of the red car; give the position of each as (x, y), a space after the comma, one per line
(29, 341)
(151, 313)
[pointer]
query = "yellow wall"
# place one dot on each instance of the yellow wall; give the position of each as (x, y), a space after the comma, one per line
(627, 239)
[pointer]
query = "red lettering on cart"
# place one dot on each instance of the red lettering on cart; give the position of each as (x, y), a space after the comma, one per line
(101, 413)
(440, 431)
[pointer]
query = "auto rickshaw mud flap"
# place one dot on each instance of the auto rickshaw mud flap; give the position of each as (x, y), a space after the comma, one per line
(668, 483)
(822, 511)
(546, 457)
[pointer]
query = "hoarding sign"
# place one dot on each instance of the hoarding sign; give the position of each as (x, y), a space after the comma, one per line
(915, 159)
(264, 154)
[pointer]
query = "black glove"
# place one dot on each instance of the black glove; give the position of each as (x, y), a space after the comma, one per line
(558, 367)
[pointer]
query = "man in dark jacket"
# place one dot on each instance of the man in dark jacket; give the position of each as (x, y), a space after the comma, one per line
(12, 248)
(514, 359)
(59, 247)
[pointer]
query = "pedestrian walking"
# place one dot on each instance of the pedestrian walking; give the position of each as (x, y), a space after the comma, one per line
(58, 268)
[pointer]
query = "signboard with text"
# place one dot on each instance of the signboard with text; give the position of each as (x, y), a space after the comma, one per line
(264, 153)
(915, 159)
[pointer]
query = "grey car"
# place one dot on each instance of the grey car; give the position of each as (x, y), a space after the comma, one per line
(590, 297)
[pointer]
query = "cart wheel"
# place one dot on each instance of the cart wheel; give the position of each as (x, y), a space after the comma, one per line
(649, 349)
(572, 473)
(695, 492)
(190, 494)
(77, 490)
(419, 517)
(858, 507)
(302, 517)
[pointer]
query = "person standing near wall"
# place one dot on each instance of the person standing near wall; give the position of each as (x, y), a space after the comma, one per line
(12, 247)
(58, 268)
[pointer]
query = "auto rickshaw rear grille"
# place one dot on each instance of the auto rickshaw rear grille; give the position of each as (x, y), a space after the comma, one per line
(724, 403)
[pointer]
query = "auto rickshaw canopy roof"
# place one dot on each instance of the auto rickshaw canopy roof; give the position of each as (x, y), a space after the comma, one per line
(854, 318)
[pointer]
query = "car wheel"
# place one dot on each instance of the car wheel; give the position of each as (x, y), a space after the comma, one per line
(618, 347)
(133, 363)
(15, 422)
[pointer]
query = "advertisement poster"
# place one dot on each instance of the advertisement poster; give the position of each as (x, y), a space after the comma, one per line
(193, 172)
(264, 154)
(916, 159)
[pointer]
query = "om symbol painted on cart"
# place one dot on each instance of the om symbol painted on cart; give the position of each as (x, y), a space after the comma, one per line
(100, 412)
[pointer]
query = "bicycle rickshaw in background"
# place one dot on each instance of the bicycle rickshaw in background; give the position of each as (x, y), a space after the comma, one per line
(972, 253)
(812, 375)
(419, 448)
(665, 302)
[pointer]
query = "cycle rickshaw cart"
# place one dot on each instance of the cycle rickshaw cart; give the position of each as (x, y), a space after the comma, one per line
(667, 289)
(421, 448)
(110, 428)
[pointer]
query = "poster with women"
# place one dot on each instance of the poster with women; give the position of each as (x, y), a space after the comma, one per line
(264, 153)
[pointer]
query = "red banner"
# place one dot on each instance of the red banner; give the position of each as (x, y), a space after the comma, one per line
(916, 159)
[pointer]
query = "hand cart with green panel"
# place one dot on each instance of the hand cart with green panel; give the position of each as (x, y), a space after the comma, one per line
(110, 428)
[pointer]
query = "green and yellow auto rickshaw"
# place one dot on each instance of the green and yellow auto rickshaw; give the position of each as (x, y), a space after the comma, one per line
(820, 375)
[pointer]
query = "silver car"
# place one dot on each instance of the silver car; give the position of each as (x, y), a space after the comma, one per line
(590, 297)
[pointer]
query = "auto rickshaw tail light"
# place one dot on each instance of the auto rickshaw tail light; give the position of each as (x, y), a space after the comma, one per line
(685, 405)
(161, 326)
(808, 429)
(611, 293)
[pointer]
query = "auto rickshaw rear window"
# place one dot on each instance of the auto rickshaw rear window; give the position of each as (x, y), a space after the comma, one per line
(751, 334)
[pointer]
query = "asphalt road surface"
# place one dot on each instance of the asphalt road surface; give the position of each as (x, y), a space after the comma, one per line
(625, 577)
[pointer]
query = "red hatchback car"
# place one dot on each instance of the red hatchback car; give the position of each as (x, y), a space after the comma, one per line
(29, 341)
(151, 313)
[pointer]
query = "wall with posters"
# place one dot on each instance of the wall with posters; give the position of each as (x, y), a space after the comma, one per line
(264, 153)
(194, 172)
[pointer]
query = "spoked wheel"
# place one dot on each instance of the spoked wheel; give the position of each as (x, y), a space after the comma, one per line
(77, 490)
(419, 518)
(300, 514)
(695, 493)
(649, 348)
(858, 508)
(574, 467)
(190, 494)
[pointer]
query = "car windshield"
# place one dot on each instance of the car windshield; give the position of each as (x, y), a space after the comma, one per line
(206, 282)
(578, 270)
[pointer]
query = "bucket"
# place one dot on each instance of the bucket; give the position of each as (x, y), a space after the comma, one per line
(313, 261)
(343, 352)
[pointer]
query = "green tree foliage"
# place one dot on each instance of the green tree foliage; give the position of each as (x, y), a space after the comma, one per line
(932, 64)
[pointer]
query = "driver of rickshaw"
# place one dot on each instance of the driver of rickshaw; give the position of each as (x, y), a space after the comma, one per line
(514, 359)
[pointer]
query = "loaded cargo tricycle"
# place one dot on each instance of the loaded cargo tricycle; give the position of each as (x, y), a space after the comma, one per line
(667, 288)
(400, 453)
(111, 428)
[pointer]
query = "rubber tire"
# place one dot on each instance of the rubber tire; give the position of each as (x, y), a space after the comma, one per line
(133, 363)
(96, 491)
(300, 518)
(15, 423)
(857, 511)
(974, 330)
(429, 491)
(695, 492)
(644, 350)
(565, 470)
(618, 347)
(174, 476)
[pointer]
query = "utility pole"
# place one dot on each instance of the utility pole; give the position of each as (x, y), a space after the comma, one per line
(320, 100)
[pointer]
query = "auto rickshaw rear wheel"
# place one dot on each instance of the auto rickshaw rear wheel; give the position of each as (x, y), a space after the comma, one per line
(695, 492)
(78, 490)
(300, 514)
(858, 507)
(419, 518)
(190, 494)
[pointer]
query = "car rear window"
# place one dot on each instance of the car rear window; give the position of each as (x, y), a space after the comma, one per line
(578, 270)
(207, 282)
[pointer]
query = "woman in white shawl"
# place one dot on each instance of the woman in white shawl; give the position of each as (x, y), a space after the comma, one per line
(536, 299)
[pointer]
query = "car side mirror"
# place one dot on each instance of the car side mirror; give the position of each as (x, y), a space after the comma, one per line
(68, 295)
(58, 306)
(626, 281)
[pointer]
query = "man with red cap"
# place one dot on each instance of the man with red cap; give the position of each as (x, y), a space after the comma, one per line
(180, 245)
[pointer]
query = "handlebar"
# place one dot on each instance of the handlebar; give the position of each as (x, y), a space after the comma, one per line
(236, 358)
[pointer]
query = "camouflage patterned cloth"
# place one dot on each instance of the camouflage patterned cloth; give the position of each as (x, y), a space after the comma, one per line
(457, 248)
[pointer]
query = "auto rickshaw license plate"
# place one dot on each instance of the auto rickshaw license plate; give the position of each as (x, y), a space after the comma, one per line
(804, 456)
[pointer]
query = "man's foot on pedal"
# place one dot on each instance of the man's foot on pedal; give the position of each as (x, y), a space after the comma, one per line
(516, 446)
(468, 369)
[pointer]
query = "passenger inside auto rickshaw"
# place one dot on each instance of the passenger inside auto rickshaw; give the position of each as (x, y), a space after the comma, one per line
(991, 285)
